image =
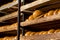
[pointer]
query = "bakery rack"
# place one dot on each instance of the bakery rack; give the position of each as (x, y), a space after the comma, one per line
(43, 23)
(44, 6)
(8, 18)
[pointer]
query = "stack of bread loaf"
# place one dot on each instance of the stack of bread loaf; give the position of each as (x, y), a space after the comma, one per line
(38, 13)
(29, 33)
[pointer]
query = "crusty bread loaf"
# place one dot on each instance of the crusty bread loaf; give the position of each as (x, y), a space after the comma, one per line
(52, 12)
(28, 33)
(8, 38)
(33, 33)
(41, 32)
(37, 33)
(59, 11)
(31, 17)
(34, 15)
(56, 11)
(46, 32)
(58, 30)
(51, 31)
(49, 13)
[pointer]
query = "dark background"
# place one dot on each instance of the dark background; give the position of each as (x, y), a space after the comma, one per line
(4, 1)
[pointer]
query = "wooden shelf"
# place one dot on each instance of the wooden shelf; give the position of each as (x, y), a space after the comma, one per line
(8, 33)
(8, 5)
(38, 3)
(42, 23)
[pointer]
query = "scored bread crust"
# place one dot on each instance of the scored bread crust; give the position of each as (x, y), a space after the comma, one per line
(34, 15)
(50, 13)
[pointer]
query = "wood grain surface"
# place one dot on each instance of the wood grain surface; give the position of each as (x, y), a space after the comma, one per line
(9, 5)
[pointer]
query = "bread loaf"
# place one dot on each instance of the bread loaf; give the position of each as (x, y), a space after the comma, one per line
(41, 32)
(8, 38)
(56, 11)
(49, 13)
(28, 33)
(59, 11)
(58, 30)
(33, 33)
(46, 32)
(31, 18)
(51, 31)
(36, 13)
(37, 33)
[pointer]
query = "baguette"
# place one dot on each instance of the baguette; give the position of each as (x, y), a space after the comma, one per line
(59, 11)
(33, 33)
(58, 30)
(49, 13)
(31, 17)
(51, 31)
(35, 14)
(56, 11)
(27, 34)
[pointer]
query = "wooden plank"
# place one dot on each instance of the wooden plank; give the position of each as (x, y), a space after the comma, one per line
(41, 20)
(9, 16)
(50, 7)
(9, 5)
(38, 3)
(35, 3)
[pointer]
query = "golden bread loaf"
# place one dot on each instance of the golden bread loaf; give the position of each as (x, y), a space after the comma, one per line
(41, 32)
(58, 30)
(8, 38)
(56, 11)
(28, 33)
(59, 11)
(37, 33)
(51, 31)
(31, 17)
(49, 13)
(46, 32)
(36, 13)
(33, 33)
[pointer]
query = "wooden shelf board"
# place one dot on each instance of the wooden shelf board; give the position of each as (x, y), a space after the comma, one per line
(42, 23)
